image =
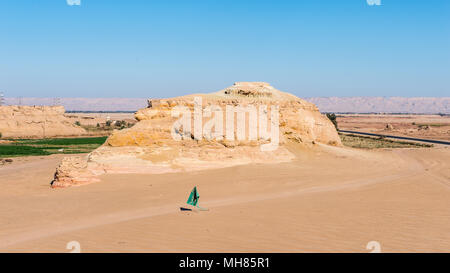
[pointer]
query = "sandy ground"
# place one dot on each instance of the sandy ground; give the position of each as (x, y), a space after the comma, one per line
(434, 127)
(329, 200)
(94, 118)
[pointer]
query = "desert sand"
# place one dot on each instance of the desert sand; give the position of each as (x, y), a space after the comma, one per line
(312, 194)
(93, 118)
(330, 199)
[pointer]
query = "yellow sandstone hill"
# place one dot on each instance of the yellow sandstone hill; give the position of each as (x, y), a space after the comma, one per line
(163, 142)
(36, 122)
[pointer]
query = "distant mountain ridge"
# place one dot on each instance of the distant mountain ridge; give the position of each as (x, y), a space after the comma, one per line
(84, 104)
(417, 105)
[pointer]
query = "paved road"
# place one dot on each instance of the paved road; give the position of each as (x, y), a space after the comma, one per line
(399, 137)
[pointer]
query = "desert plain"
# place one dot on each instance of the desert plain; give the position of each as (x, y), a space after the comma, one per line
(325, 201)
(328, 199)
(426, 126)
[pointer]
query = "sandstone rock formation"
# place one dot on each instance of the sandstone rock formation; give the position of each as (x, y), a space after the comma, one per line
(36, 121)
(203, 131)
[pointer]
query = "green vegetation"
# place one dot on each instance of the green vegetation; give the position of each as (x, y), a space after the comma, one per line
(63, 141)
(26, 147)
(20, 150)
(98, 129)
(122, 124)
(332, 117)
(367, 142)
(107, 127)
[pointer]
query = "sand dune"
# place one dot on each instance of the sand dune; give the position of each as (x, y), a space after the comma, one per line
(330, 199)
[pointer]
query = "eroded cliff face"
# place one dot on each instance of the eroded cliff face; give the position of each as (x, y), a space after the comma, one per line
(249, 122)
(36, 122)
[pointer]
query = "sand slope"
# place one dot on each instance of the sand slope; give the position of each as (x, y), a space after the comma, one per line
(332, 199)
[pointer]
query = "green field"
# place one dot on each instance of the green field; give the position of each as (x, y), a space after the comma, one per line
(30, 147)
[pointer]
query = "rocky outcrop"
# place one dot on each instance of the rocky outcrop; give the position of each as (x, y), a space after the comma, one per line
(249, 122)
(4, 161)
(74, 171)
(36, 122)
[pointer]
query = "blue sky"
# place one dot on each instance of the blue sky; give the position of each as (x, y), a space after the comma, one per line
(142, 48)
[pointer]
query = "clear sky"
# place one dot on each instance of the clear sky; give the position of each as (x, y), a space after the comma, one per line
(143, 48)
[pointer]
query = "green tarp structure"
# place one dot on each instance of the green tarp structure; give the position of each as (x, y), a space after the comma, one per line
(193, 197)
